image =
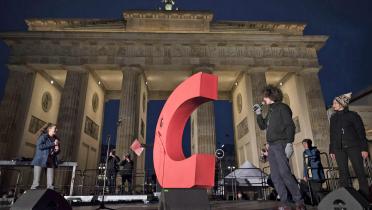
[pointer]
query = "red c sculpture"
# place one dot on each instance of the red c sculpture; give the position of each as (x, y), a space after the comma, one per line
(172, 169)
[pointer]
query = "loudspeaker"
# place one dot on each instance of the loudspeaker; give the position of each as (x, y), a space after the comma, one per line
(184, 199)
(41, 199)
(344, 198)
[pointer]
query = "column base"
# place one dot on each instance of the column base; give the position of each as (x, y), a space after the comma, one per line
(184, 199)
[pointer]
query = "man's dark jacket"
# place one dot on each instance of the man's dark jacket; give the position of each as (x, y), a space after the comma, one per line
(126, 167)
(347, 131)
(112, 164)
(278, 123)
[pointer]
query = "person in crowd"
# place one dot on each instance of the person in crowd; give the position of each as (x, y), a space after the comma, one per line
(313, 161)
(112, 170)
(280, 131)
(348, 142)
(47, 149)
(126, 173)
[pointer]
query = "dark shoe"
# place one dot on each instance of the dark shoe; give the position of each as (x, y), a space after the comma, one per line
(300, 207)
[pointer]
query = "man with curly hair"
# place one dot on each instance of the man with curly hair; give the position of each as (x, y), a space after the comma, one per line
(280, 132)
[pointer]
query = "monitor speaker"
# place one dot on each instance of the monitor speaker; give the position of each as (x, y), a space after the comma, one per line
(41, 200)
(343, 198)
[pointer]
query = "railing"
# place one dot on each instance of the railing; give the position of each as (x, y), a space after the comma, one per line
(64, 176)
(85, 182)
(12, 193)
(90, 182)
(70, 181)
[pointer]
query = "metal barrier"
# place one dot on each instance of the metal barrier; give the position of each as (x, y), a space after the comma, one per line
(15, 187)
(70, 181)
(25, 175)
(332, 174)
(90, 182)
(76, 182)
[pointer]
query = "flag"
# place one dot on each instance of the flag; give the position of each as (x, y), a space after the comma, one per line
(136, 147)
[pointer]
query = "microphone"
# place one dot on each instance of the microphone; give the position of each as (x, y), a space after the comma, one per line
(258, 106)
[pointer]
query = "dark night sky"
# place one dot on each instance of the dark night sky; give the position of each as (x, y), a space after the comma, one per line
(346, 57)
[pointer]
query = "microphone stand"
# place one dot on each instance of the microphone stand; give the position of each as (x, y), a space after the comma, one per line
(102, 204)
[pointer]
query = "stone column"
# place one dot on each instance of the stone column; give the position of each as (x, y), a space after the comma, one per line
(129, 111)
(71, 112)
(205, 125)
(258, 82)
(203, 134)
(316, 108)
(14, 108)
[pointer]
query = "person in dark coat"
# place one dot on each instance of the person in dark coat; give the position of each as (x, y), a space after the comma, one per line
(112, 170)
(47, 149)
(348, 142)
(313, 161)
(126, 172)
(280, 132)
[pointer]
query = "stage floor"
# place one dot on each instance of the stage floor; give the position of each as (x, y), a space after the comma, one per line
(216, 205)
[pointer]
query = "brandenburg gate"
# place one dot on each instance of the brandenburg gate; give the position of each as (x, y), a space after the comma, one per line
(63, 70)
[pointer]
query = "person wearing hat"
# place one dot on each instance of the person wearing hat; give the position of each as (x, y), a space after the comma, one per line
(348, 142)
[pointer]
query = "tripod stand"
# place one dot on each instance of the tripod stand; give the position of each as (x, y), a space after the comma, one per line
(102, 204)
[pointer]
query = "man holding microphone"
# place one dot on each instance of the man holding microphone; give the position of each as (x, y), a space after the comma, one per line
(280, 131)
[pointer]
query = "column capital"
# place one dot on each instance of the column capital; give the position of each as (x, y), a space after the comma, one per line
(258, 69)
(203, 68)
(21, 68)
(77, 68)
(135, 68)
(309, 70)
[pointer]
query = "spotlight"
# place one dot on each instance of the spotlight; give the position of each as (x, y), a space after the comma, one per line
(51, 82)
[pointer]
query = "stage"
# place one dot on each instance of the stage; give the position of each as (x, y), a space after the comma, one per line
(215, 205)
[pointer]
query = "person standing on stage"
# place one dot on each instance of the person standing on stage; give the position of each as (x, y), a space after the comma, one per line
(280, 131)
(47, 149)
(112, 170)
(126, 172)
(312, 160)
(348, 142)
